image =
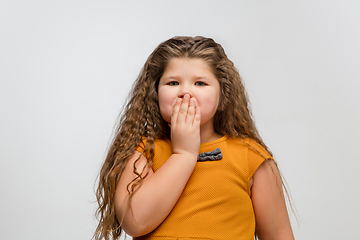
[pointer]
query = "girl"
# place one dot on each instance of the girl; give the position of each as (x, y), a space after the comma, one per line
(187, 161)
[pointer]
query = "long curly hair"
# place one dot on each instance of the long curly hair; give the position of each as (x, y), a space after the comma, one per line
(141, 117)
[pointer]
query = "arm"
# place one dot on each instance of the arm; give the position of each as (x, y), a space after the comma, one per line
(160, 190)
(272, 220)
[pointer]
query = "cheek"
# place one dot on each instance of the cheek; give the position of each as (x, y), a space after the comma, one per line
(209, 101)
(165, 105)
(164, 98)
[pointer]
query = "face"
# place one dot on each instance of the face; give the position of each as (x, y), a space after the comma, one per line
(189, 76)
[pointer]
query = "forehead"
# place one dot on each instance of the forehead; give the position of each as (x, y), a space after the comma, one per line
(187, 67)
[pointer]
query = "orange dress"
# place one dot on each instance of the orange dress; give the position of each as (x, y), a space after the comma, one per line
(215, 203)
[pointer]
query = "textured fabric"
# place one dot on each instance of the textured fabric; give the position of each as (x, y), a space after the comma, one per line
(215, 203)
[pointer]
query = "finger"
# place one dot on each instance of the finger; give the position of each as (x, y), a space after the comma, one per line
(184, 108)
(191, 111)
(175, 113)
(197, 117)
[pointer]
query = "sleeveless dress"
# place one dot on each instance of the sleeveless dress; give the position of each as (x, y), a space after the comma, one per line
(216, 202)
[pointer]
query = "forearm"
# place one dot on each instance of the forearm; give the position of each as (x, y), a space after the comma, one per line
(158, 194)
(159, 191)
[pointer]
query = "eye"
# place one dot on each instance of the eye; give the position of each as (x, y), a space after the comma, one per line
(200, 84)
(172, 83)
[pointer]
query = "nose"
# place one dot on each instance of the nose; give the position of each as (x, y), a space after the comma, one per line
(185, 90)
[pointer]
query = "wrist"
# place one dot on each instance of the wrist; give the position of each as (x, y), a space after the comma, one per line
(186, 155)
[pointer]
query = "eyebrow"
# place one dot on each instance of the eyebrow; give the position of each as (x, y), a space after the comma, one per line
(177, 77)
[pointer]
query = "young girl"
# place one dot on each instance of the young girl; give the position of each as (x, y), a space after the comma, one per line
(187, 161)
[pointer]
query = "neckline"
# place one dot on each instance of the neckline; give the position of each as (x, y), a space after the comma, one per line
(221, 139)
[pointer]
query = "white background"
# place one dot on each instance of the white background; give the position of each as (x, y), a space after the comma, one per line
(66, 68)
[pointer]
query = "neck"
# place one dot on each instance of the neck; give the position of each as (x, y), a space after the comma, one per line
(207, 133)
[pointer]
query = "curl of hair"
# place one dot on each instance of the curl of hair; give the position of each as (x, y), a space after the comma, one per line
(141, 117)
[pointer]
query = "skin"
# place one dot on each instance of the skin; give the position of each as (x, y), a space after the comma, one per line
(160, 190)
(188, 98)
(191, 78)
(272, 219)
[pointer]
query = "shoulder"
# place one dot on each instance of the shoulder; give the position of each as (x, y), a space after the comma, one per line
(258, 149)
(251, 151)
(250, 144)
(158, 143)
